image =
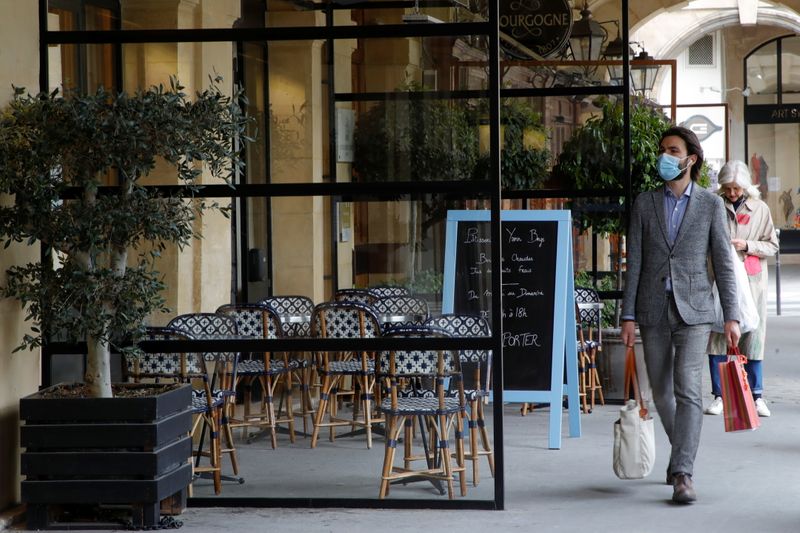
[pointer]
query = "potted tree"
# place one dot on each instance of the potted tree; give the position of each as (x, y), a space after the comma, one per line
(73, 166)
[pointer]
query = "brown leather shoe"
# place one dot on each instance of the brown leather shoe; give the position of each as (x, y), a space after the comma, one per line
(683, 489)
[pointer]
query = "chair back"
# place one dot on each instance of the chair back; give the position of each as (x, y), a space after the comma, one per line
(417, 363)
(384, 290)
(207, 326)
(588, 314)
(479, 361)
(399, 311)
(344, 320)
(254, 320)
(180, 367)
(294, 312)
(354, 295)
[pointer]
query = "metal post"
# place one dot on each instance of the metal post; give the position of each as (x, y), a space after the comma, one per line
(778, 275)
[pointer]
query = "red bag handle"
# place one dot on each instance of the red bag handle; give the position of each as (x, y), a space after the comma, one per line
(733, 351)
(632, 380)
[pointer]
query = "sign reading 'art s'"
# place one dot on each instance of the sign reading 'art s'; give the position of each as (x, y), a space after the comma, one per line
(541, 26)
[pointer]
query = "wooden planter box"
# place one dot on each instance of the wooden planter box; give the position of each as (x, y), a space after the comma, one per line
(131, 451)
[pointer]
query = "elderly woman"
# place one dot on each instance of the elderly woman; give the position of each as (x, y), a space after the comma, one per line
(754, 238)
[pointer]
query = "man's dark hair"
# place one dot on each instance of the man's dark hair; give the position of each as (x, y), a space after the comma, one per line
(692, 146)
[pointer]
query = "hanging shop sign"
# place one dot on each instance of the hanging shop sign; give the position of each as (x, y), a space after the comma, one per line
(702, 126)
(535, 29)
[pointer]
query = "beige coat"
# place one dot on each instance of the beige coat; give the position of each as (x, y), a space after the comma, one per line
(753, 223)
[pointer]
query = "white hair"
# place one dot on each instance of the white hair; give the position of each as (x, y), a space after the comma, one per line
(735, 171)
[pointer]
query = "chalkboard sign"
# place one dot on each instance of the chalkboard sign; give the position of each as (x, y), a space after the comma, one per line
(537, 300)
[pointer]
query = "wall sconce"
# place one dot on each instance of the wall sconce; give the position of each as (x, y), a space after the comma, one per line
(643, 75)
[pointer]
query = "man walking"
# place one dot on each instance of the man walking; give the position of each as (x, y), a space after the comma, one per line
(673, 232)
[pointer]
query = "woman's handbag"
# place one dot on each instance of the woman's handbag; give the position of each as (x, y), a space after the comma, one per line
(634, 434)
(748, 311)
(738, 406)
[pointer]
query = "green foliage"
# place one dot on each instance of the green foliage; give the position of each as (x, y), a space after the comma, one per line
(593, 158)
(55, 156)
(523, 166)
(426, 282)
(418, 139)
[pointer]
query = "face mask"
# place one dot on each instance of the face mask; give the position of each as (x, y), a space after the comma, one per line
(669, 167)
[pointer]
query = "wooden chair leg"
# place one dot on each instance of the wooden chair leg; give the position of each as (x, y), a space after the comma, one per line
(487, 446)
(393, 430)
(473, 440)
(324, 392)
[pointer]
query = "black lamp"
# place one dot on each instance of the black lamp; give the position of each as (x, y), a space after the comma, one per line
(613, 52)
(643, 76)
(587, 37)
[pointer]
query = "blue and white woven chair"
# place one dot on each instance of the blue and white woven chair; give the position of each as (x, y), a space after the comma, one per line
(209, 326)
(440, 410)
(590, 341)
(382, 291)
(207, 404)
(362, 296)
(393, 311)
(345, 320)
(295, 313)
(261, 322)
(476, 365)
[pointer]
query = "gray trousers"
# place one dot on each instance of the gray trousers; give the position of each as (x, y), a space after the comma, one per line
(675, 354)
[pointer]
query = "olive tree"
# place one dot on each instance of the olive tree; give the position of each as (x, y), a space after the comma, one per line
(71, 167)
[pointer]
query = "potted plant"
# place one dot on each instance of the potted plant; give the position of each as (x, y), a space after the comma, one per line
(73, 166)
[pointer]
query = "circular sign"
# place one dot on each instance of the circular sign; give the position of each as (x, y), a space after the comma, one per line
(539, 26)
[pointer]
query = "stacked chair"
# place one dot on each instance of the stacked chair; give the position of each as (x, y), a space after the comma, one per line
(590, 342)
(206, 326)
(410, 374)
(208, 399)
(262, 322)
(345, 320)
(476, 366)
(295, 313)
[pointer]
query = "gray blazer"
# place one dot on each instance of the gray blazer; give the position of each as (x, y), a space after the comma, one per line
(650, 259)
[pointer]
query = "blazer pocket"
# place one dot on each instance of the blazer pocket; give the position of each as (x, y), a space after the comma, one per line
(700, 297)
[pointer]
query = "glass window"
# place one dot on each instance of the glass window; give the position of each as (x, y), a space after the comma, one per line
(790, 65)
(762, 70)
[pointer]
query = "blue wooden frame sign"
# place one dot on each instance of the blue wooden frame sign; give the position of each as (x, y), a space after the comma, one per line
(564, 350)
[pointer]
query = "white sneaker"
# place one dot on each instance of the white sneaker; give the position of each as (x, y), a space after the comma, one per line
(716, 407)
(761, 408)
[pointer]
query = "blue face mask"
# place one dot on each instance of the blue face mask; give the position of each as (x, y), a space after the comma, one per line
(669, 167)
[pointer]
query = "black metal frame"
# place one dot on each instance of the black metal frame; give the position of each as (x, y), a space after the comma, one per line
(348, 191)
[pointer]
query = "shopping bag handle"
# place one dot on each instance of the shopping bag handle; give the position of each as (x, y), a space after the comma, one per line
(632, 378)
(734, 353)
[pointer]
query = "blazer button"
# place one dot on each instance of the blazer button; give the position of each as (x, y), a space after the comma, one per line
(672, 256)
(664, 278)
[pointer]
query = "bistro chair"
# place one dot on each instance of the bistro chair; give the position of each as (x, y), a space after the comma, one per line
(345, 320)
(408, 373)
(590, 342)
(212, 326)
(295, 314)
(208, 401)
(261, 322)
(476, 366)
(381, 291)
(401, 311)
(362, 296)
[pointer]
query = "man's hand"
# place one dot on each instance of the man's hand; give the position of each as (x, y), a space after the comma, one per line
(628, 333)
(732, 333)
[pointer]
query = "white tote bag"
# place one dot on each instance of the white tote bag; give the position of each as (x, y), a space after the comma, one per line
(748, 312)
(634, 432)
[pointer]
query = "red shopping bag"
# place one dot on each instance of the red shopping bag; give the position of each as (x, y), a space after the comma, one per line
(738, 405)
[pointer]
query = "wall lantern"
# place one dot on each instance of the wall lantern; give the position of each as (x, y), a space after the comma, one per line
(643, 72)
(613, 52)
(587, 37)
